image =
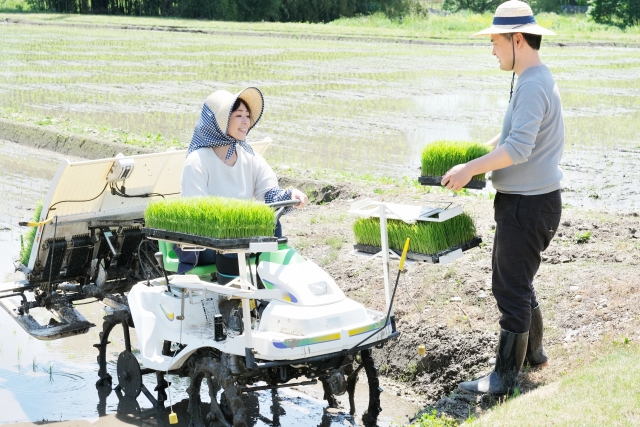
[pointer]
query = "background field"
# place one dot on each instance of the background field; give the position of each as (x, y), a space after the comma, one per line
(345, 95)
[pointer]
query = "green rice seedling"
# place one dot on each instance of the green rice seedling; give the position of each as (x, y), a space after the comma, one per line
(426, 237)
(216, 217)
(440, 156)
(26, 241)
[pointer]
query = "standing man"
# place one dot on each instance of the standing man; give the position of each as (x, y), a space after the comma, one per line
(526, 174)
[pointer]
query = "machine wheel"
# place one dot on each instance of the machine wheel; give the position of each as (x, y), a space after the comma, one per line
(226, 408)
(129, 374)
(120, 317)
(363, 361)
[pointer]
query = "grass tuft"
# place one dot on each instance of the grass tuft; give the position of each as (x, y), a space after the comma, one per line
(440, 156)
(216, 217)
(26, 241)
(426, 237)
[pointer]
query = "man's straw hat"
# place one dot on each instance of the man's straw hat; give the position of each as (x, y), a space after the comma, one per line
(515, 16)
(221, 102)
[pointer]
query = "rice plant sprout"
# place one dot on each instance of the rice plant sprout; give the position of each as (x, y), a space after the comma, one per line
(26, 241)
(427, 237)
(215, 217)
(440, 156)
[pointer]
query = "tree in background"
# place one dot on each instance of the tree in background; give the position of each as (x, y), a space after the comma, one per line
(235, 10)
(480, 6)
(623, 13)
(555, 5)
(477, 6)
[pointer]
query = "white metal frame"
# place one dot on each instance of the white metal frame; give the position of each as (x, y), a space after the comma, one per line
(410, 214)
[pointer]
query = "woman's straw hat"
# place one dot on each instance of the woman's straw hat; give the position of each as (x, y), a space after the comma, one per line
(515, 16)
(221, 102)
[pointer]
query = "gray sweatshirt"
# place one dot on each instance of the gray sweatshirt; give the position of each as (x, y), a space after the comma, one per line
(533, 133)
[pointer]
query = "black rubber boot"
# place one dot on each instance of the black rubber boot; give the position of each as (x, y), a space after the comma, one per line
(504, 378)
(536, 355)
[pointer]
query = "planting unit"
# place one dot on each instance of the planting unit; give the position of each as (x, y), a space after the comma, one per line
(281, 319)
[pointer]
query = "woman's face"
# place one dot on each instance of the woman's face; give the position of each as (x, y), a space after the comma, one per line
(239, 123)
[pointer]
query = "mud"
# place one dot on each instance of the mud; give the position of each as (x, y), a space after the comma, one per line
(588, 293)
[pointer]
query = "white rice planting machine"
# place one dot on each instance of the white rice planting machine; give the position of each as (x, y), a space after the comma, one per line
(282, 322)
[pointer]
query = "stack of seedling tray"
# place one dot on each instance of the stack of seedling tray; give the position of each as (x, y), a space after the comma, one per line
(440, 156)
(437, 235)
(214, 222)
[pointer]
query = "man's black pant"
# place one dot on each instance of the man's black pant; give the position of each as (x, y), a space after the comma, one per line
(525, 226)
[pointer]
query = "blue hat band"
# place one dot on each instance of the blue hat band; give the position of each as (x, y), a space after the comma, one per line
(514, 20)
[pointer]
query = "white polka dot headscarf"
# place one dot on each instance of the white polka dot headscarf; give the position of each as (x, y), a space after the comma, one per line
(211, 129)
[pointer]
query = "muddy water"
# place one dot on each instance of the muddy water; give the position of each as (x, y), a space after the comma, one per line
(55, 380)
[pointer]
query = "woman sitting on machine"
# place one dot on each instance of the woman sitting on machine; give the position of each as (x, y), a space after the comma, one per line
(215, 166)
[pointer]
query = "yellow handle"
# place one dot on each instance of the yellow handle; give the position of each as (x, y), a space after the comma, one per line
(404, 254)
(36, 224)
(173, 418)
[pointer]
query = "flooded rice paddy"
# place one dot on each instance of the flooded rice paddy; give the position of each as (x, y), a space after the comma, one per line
(355, 105)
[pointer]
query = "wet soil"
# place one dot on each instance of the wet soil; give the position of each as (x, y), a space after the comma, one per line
(587, 285)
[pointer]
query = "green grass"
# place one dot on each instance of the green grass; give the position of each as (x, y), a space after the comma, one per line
(431, 419)
(603, 393)
(26, 240)
(440, 156)
(216, 217)
(426, 237)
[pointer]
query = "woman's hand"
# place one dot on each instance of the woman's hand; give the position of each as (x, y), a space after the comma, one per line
(299, 195)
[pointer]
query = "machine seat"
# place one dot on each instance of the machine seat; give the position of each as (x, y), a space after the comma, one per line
(171, 261)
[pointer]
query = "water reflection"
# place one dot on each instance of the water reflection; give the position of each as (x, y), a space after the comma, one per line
(268, 408)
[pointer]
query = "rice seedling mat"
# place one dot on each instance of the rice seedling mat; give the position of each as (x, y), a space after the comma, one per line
(250, 244)
(439, 258)
(368, 208)
(474, 184)
(440, 156)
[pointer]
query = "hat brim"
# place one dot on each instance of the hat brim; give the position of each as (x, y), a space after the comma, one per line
(503, 29)
(254, 100)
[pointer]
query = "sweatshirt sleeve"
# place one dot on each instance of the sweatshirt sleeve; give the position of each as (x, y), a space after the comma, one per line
(194, 177)
(530, 105)
(264, 178)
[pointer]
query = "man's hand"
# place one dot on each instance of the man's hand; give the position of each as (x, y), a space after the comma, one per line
(299, 195)
(457, 177)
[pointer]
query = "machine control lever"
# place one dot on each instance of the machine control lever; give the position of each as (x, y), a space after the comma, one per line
(160, 260)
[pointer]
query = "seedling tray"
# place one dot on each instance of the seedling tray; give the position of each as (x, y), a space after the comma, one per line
(209, 242)
(433, 259)
(436, 181)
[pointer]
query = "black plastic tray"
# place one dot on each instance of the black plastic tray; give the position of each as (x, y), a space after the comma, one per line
(436, 180)
(434, 259)
(209, 242)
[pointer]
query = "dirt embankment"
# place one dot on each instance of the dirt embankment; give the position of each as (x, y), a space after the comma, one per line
(74, 145)
(587, 286)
